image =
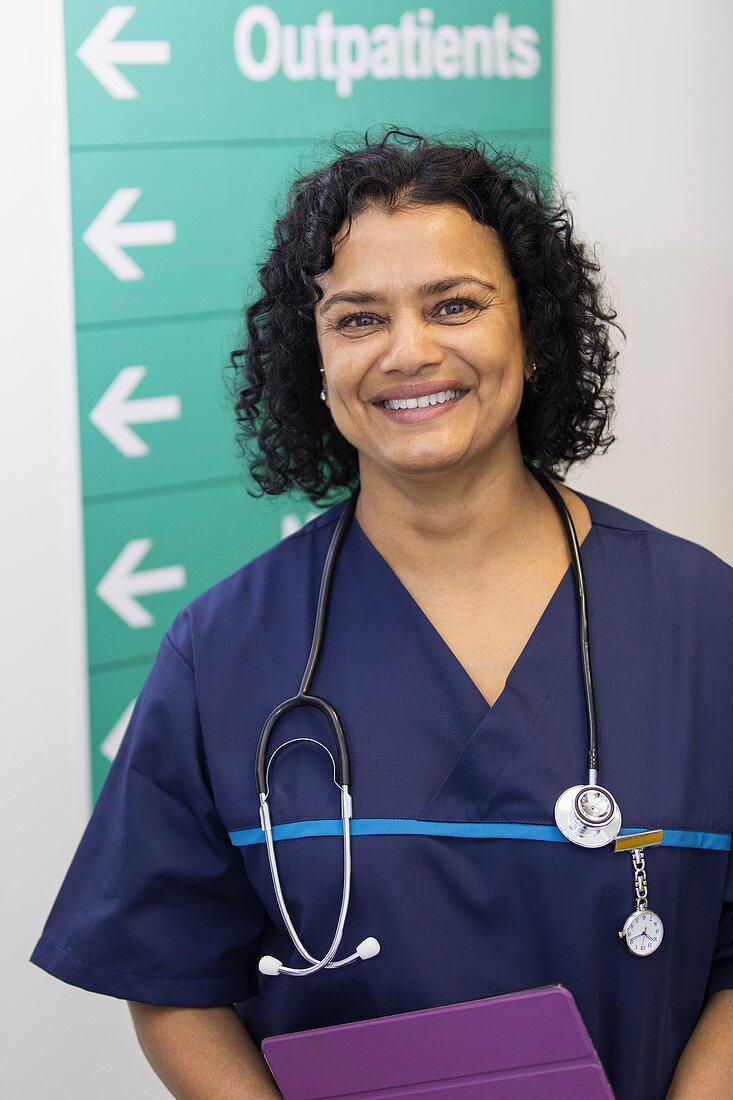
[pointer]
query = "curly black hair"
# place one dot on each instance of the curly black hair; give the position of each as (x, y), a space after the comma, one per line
(285, 431)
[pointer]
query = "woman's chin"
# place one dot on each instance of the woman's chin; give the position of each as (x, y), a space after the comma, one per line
(421, 463)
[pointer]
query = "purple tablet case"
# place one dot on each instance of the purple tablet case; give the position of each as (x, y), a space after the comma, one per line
(522, 1046)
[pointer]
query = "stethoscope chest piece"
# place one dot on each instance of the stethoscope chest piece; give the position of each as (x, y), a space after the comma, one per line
(588, 815)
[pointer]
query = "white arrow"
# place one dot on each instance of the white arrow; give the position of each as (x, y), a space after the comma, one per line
(108, 234)
(111, 744)
(289, 523)
(121, 584)
(102, 54)
(114, 412)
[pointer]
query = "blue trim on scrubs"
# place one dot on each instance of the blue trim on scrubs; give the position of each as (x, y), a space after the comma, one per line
(481, 830)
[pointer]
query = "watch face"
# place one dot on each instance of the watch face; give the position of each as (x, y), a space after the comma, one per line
(643, 932)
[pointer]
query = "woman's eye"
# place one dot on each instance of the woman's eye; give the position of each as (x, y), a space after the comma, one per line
(358, 320)
(456, 307)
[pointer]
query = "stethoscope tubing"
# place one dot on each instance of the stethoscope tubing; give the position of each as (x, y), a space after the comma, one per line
(583, 621)
(324, 591)
(328, 960)
(343, 765)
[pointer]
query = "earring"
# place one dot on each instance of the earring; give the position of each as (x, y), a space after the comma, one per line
(323, 379)
(530, 380)
(323, 395)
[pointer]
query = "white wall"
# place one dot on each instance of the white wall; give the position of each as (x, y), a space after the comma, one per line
(642, 109)
(57, 1041)
(643, 103)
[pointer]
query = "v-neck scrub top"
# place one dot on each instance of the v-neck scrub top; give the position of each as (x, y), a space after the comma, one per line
(458, 868)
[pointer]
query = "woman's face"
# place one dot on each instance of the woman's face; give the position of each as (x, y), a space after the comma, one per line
(420, 305)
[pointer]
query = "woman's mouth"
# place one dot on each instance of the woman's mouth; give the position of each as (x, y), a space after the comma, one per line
(410, 410)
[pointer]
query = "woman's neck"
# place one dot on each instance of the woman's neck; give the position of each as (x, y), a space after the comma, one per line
(451, 521)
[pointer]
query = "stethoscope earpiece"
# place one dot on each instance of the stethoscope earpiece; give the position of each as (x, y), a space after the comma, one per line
(588, 815)
(367, 949)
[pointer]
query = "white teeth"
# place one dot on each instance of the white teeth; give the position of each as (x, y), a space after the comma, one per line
(422, 402)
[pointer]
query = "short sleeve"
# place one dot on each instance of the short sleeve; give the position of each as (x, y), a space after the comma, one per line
(721, 971)
(156, 905)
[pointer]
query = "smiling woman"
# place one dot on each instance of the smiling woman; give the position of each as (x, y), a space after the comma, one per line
(514, 246)
(431, 341)
(438, 316)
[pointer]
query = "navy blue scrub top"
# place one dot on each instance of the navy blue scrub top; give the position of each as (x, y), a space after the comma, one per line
(458, 868)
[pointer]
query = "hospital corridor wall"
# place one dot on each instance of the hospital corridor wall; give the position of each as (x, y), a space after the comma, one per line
(641, 103)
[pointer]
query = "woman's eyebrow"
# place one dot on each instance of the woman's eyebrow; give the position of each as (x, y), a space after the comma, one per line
(442, 285)
(370, 297)
(355, 297)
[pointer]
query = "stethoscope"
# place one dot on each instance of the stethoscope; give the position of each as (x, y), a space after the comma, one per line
(587, 815)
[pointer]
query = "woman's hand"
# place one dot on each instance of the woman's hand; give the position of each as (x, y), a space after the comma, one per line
(705, 1069)
(202, 1053)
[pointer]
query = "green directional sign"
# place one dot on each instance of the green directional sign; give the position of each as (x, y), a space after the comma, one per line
(147, 555)
(167, 71)
(112, 695)
(187, 124)
(171, 232)
(152, 405)
(182, 544)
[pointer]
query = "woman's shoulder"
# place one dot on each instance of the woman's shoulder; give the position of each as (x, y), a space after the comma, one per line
(263, 590)
(674, 559)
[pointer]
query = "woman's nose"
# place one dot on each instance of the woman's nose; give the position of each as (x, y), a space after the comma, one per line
(412, 345)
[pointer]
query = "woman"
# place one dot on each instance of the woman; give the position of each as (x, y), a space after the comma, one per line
(427, 326)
